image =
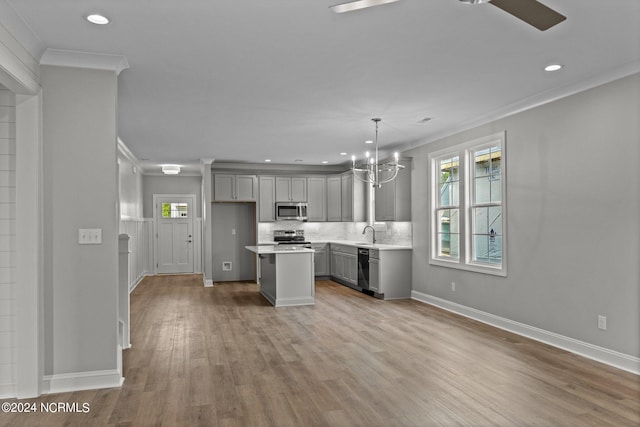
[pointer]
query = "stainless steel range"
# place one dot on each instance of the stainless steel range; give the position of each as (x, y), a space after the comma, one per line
(291, 238)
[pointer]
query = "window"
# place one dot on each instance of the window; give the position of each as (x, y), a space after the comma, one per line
(175, 210)
(468, 206)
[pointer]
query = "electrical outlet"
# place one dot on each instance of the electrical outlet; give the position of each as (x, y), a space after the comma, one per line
(602, 322)
(453, 286)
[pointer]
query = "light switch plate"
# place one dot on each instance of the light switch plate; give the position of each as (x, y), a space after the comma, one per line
(90, 236)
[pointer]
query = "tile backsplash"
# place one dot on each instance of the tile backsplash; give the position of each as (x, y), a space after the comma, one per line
(392, 233)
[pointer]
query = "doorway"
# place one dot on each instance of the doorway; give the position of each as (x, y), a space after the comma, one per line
(174, 215)
(233, 228)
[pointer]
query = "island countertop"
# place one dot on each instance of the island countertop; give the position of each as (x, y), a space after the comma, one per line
(275, 249)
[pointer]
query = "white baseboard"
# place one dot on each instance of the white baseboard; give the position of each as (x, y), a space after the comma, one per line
(590, 351)
(7, 391)
(137, 282)
(207, 283)
(62, 383)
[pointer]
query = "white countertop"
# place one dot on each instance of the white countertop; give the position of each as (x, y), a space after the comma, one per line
(275, 249)
(358, 244)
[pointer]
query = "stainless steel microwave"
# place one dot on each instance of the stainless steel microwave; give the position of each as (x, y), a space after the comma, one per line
(296, 211)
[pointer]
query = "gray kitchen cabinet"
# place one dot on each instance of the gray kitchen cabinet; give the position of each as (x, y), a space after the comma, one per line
(393, 199)
(291, 189)
(344, 264)
(337, 265)
(267, 199)
(321, 259)
(353, 198)
(235, 188)
(334, 198)
(317, 198)
(390, 273)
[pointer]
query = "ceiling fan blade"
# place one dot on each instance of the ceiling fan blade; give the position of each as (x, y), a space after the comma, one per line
(532, 12)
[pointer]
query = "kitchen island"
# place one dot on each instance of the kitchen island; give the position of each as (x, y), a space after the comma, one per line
(286, 274)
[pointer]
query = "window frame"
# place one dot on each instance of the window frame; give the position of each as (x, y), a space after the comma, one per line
(466, 204)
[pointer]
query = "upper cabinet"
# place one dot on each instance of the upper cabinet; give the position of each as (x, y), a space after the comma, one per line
(316, 198)
(393, 199)
(353, 198)
(291, 189)
(235, 188)
(266, 202)
(334, 198)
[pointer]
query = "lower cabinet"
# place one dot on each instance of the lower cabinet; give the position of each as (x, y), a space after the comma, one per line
(390, 273)
(344, 264)
(321, 259)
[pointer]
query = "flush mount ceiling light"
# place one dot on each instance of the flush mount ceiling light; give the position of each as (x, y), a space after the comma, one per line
(553, 67)
(98, 19)
(170, 169)
(359, 4)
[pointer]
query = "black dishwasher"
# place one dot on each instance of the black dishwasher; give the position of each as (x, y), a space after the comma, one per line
(363, 268)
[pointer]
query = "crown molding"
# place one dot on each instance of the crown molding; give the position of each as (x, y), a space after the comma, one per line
(94, 61)
(15, 24)
(533, 101)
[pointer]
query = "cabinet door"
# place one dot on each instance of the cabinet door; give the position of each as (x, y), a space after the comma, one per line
(246, 186)
(267, 199)
(374, 275)
(316, 199)
(298, 189)
(320, 263)
(224, 188)
(385, 202)
(347, 197)
(283, 189)
(337, 265)
(351, 268)
(334, 198)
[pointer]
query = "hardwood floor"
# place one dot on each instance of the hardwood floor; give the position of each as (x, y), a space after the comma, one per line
(223, 356)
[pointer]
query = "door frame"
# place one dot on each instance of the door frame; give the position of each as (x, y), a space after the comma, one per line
(155, 226)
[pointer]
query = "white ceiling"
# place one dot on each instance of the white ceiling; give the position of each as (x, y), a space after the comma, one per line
(247, 80)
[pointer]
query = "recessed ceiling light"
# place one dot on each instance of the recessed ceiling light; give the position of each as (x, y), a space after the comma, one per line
(98, 19)
(267, 160)
(324, 162)
(359, 4)
(553, 67)
(368, 142)
(343, 154)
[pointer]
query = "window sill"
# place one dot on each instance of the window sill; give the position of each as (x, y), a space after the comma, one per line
(475, 268)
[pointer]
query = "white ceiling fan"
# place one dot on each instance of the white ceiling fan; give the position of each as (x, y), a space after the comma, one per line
(530, 11)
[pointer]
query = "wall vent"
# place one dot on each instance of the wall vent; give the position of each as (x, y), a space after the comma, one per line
(227, 266)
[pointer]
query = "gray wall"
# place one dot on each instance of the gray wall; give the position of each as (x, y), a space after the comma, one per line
(573, 186)
(154, 184)
(80, 191)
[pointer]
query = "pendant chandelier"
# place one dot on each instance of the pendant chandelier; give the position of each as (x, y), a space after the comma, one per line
(374, 172)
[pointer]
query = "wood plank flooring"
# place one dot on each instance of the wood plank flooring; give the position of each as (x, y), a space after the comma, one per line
(223, 356)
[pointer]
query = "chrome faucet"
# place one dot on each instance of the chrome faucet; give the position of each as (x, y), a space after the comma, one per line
(372, 229)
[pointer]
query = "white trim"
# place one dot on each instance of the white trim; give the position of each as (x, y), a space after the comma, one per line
(462, 150)
(29, 296)
(21, 31)
(77, 381)
(125, 151)
(294, 301)
(18, 69)
(207, 283)
(590, 351)
(137, 282)
(536, 100)
(93, 61)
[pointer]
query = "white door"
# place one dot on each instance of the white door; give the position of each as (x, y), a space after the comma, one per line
(174, 233)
